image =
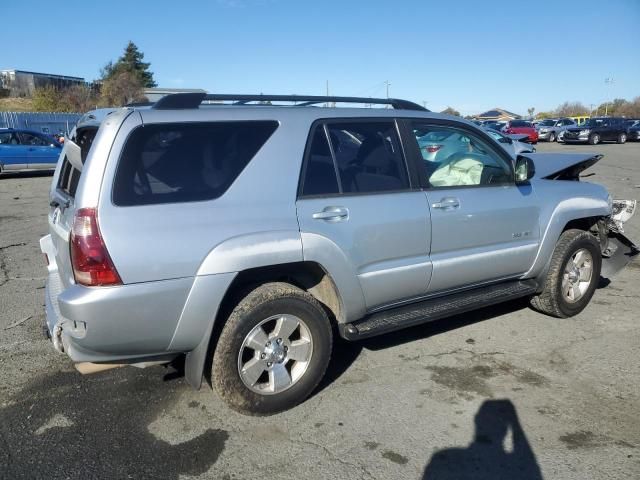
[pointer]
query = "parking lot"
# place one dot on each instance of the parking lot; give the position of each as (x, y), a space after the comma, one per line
(500, 393)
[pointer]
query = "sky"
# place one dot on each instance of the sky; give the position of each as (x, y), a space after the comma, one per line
(470, 55)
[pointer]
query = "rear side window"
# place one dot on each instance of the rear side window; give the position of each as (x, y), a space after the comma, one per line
(69, 175)
(320, 174)
(185, 162)
(368, 157)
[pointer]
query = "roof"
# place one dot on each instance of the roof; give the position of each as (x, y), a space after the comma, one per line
(497, 113)
(64, 77)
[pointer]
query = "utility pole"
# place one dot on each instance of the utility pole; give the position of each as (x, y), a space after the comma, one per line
(327, 104)
(424, 104)
(387, 84)
(607, 81)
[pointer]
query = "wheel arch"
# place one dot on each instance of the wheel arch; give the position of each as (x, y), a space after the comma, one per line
(309, 276)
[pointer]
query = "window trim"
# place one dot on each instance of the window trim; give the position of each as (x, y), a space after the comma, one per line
(324, 124)
(437, 122)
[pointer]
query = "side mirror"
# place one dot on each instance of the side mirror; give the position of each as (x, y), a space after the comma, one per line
(525, 169)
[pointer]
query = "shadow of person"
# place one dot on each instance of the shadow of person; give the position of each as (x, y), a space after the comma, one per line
(486, 457)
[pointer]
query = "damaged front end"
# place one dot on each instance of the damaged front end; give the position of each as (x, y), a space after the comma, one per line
(617, 249)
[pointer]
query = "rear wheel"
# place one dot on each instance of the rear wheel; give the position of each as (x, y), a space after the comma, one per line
(622, 138)
(552, 137)
(594, 139)
(573, 275)
(273, 350)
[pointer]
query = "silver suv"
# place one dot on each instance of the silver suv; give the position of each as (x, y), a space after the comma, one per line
(246, 235)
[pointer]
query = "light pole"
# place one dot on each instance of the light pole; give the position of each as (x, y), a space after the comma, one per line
(607, 81)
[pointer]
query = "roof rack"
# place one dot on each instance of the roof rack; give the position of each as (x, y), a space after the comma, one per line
(181, 101)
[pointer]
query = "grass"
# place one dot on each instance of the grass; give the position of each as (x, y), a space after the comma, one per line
(16, 105)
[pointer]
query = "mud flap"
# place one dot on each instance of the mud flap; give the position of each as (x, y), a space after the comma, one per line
(620, 251)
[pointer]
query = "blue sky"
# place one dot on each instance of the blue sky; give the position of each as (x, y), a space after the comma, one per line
(471, 55)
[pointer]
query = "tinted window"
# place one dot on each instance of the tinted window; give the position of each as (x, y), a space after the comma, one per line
(459, 158)
(185, 162)
(368, 157)
(320, 173)
(31, 139)
(520, 123)
(8, 138)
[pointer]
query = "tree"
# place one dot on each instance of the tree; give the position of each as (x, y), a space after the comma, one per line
(530, 111)
(120, 89)
(543, 115)
(46, 99)
(451, 111)
(131, 61)
(569, 109)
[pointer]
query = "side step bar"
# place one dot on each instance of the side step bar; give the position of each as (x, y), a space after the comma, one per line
(435, 308)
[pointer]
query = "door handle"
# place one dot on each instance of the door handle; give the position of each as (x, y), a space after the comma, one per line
(447, 203)
(332, 214)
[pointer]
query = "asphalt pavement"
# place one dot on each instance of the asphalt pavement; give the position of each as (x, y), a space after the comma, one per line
(504, 392)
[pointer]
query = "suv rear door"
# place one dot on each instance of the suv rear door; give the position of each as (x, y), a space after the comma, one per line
(357, 193)
(484, 227)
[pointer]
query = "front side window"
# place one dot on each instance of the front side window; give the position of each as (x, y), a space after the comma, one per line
(454, 157)
(368, 157)
(183, 162)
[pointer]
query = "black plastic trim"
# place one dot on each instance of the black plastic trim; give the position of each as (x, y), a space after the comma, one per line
(436, 308)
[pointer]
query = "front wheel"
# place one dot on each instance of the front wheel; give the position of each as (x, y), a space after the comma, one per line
(573, 275)
(594, 139)
(273, 350)
(622, 138)
(552, 137)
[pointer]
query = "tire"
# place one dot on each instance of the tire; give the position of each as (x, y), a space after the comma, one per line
(552, 137)
(622, 138)
(553, 300)
(594, 139)
(255, 319)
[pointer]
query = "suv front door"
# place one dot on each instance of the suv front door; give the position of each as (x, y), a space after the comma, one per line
(484, 227)
(358, 213)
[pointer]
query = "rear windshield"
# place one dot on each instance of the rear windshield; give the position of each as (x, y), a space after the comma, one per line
(185, 162)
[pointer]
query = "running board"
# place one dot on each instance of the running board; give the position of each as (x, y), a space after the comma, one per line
(435, 309)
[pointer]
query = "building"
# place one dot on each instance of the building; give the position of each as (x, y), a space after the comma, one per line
(498, 115)
(20, 83)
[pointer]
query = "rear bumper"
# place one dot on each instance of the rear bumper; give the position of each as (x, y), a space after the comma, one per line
(102, 324)
(113, 323)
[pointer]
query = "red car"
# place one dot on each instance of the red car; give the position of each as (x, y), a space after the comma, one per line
(523, 128)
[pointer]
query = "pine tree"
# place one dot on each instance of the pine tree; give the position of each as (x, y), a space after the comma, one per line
(131, 62)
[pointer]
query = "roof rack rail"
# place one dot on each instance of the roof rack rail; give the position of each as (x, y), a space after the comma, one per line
(181, 101)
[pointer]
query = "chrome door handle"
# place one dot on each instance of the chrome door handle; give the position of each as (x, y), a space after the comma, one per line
(447, 203)
(332, 214)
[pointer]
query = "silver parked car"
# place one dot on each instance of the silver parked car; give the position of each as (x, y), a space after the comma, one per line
(244, 236)
(514, 144)
(552, 129)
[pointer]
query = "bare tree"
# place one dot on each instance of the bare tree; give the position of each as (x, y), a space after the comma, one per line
(568, 109)
(120, 89)
(530, 112)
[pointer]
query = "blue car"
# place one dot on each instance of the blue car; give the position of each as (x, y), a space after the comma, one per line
(23, 150)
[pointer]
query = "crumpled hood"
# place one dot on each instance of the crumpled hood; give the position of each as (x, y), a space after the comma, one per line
(554, 165)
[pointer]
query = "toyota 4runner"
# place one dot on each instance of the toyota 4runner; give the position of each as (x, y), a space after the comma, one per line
(246, 235)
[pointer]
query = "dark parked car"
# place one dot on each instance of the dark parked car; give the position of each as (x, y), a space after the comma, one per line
(27, 150)
(521, 126)
(633, 130)
(596, 130)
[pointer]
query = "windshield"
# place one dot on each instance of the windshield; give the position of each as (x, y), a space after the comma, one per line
(547, 123)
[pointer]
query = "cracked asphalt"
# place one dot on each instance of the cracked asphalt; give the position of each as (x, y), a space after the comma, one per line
(500, 393)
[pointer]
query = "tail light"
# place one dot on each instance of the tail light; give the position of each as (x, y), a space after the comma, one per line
(91, 263)
(432, 148)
